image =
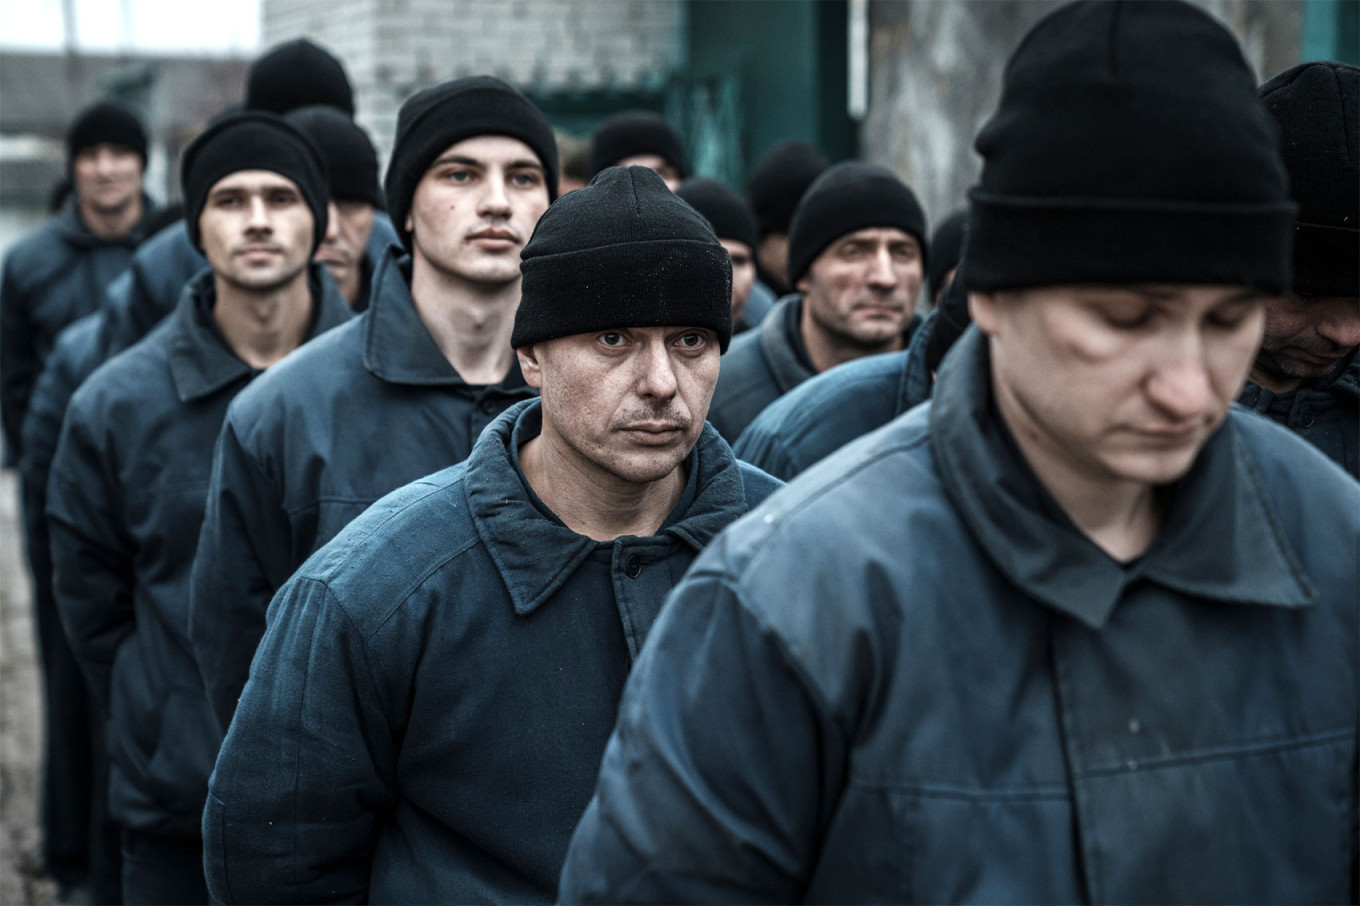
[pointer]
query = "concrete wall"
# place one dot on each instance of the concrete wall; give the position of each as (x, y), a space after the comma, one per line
(935, 78)
(394, 48)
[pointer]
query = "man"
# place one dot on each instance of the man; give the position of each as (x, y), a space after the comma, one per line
(131, 472)
(57, 273)
(732, 220)
(857, 254)
(1307, 375)
(461, 646)
(638, 138)
(826, 412)
(1077, 629)
(298, 73)
(776, 185)
(401, 392)
(355, 197)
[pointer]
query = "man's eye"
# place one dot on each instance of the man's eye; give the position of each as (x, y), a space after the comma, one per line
(612, 339)
(525, 179)
(283, 198)
(692, 341)
(458, 176)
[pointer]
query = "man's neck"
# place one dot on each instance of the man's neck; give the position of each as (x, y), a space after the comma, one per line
(593, 502)
(471, 323)
(263, 327)
(1275, 383)
(1121, 517)
(112, 223)
(826, 350)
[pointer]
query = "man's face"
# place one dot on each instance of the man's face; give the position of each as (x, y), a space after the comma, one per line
(107, 177)
(1117, 384)
(773, 254)
(256, 230)
(669, 175)
(476, 207)
(629, 403)
(743, 274)
(862, 289)
(1306, 337)
(342, 250)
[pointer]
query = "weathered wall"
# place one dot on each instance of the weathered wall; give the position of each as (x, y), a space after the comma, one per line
(396, 47)
(935, 78)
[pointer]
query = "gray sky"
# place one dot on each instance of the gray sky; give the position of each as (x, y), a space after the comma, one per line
(151, 26)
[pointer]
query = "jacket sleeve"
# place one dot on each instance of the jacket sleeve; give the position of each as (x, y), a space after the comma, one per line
(308, 767)
(765, 450)
(92, 552)
(241, 560)
(18, 361)
(721, 771)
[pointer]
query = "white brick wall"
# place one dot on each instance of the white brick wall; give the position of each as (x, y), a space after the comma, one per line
(393, 48)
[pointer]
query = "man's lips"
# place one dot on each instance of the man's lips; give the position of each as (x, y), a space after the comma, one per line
(654, 433)
(493, 238)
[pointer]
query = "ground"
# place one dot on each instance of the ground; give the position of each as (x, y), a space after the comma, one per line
(20, 715)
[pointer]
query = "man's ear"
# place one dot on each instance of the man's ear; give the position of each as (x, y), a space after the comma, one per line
(530, 366)
(982, 309)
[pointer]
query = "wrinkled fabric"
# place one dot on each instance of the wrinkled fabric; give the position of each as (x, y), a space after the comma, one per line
(1324, 412)
(308, 448)
(51, 277)
(818, 417)
(760, 366)
(965, 700)
(125, 501)
(427, 708)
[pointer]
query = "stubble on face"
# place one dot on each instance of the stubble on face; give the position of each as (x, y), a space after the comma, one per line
(1306, 337)
(256, 231)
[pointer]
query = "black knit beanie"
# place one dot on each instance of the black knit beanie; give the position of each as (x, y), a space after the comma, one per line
(298, 74)
(253, 140)
(105, 123)
(946, 248)
(622, 252)
(724, 209)
(1129, 146)
(1317, 107)
(778, 182)
(951, 320)
(432, 120)
(347, 150)
(851, 196)
(635, 132)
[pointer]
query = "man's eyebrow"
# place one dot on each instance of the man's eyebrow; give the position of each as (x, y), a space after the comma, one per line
(474, 162)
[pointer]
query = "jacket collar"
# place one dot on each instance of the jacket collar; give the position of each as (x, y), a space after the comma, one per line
(782, 342)
(1219, 539)
(397, 346)
(534, 552)
(917, 380)
(77, 233)
(201, 362)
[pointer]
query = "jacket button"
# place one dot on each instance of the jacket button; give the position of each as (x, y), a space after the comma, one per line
(1306, 420)
(633, 566)
(488, 407)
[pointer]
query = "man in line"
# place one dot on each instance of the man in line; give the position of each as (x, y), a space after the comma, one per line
(401, 392)
(57, 273)
(857, 253)
(355, 198)
(131, 472)
(777, 183)
(1077, 630)
(732, 220)
(427, 709)
(638, 138)
(1307, 375)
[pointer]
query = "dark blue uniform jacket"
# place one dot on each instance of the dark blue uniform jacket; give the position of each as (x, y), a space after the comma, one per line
(1324, 412)
(427, 710)
(818, 417)
(124, 506)
(308, 447)
(961, 699)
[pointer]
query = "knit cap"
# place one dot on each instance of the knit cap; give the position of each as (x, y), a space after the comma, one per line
(1317, 107)
(253, 140)
(105, 123)
(635, 132)
(297, 74)
(624, 251)
(432, 120)
(946, 248)
(724, 209)
(778, 182)
(1129, 146)
(847, 197)
(347, 150)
